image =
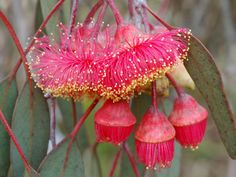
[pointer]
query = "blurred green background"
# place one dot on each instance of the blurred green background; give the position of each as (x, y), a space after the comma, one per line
(212, 21)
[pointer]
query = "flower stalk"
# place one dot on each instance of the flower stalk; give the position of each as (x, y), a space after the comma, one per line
(73, 15)
(178, 89)
(169, 27)
(131, 159)
(116, 12)
(114, 164)
(92, 12)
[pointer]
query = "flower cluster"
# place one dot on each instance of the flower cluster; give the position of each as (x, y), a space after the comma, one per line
(112, 66)
(155, 134)
(117, 64)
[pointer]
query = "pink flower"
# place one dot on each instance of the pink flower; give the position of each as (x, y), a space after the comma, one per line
(189, 119)
(114, 68)
(141, 59)
(154, 140)
(68, 68)
(114, 122)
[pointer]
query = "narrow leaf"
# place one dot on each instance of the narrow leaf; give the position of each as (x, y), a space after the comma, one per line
(31, 126)
(8, 96)
(38, 16)
(66, 11)
(46, 7)
(91, 163)
(54, 163)
(67, 115)
(202, 68)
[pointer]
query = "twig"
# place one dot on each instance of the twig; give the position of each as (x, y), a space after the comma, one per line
(114, 164)
(74, 112)
(73, 15)
(92, 12)
(53, 122)
(178, 89)
(131, 159)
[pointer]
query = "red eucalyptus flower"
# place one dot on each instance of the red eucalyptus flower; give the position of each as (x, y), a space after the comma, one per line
(114, 122)
(140, 59)
(115, 68)
(68, 68)
(189, 119)
(155, 140)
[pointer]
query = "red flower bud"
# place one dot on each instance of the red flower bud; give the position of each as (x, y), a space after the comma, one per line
(114, 122)
(155, 140)
(189, 119)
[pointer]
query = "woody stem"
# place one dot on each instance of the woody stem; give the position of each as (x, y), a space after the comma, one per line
(131, 159)
(169, 27)
(53, 122)
(92, 12)
(99, 20)
(73, 15)
(115, 11)
(114, 164)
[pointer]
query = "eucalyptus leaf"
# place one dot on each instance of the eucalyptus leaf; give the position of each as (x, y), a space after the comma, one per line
(8, 96)
(46, 7)
(38, 16)
(205, 74)
(67, 116)
(55, 163)
(91, 162)
(66, 11)
(31, 126)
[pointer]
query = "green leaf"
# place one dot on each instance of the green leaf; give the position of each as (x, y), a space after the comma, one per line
(67, 115)
(202, 69)
(8, 96)
(91, 162)
(47, 6)
(38, 16)
(54, 163)
(31, 126)
(66, 12)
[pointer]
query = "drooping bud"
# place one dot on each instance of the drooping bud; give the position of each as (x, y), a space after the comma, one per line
(155, 140)
(114, 122)
(189, 119)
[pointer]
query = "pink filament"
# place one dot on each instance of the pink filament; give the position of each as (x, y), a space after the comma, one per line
(112, 134)
(150, 154)
(191, 135)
